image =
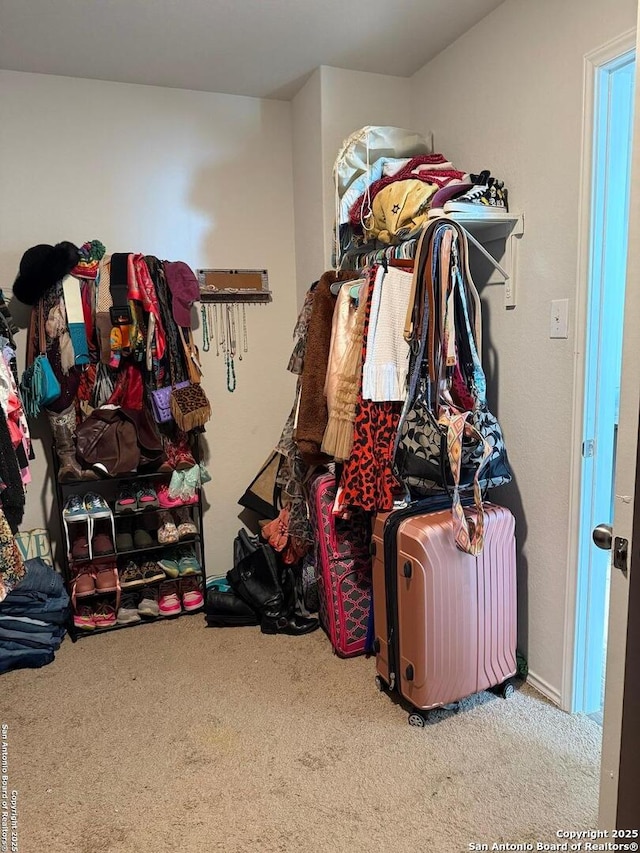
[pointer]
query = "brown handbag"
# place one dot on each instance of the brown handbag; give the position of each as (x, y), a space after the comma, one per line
(191, 357)
(118, 441)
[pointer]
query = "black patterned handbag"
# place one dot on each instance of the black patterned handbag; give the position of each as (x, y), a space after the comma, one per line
(421, 459)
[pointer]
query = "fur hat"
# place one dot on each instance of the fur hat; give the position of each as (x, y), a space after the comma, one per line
(42, 267)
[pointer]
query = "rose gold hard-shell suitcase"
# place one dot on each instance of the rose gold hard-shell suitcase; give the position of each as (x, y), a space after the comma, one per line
(445, 621)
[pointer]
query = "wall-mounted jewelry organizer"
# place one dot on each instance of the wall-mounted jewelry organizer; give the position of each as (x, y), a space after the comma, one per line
(234, 286)
(224, 296)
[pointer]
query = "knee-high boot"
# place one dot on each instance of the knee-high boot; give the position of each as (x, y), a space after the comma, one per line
(63, 427)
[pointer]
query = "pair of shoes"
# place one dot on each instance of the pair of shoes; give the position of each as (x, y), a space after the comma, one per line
(98, 577)
(167, 501)
(148, 604)
(102, 615)
(176, 596)
(178, 454)
(128, 538)
(178, 564)
(83, 507)
(128, 612)
(138, 605)
(171, 531)
(133, 575)
(262, 583)
(131, 499)
(486, 195)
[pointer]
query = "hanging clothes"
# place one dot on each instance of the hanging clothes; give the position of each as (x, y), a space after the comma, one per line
(12, 568)
(338, 437)
(387, 363)
(312, 412)
(367, 480)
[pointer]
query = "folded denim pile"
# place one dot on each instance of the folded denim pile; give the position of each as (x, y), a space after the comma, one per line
(33, 618)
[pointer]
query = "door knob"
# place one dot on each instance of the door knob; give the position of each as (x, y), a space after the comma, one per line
(602, 536)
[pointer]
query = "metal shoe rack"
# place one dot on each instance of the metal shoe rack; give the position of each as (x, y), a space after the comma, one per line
(108, 488)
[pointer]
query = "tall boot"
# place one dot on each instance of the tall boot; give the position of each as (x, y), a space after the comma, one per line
(257, 580)
(63, 427)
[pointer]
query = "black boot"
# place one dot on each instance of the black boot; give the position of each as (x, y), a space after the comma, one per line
(227, 608)
(257, 580)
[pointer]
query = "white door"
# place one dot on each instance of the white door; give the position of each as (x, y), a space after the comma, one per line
(625, 487)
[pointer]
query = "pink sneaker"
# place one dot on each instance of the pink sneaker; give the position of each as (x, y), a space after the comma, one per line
(164, 498)
(168, 601)
(192, 598)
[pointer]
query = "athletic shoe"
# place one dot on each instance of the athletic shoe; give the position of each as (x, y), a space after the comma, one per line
(151, 572)
(188, 564)
(127, 499)
(148, 605)
(74, 509)
(83, 618)
(164, 498)
(104, 615)
(128, 610)
(147, 498)
(168, 601)
(170, 564)
(485, 198)
(96, 506)
(131, 576)
(192, 598)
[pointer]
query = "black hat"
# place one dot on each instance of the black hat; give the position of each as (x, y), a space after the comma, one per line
(42, 267)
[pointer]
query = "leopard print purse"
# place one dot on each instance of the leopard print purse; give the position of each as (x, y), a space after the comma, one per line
(189, 406)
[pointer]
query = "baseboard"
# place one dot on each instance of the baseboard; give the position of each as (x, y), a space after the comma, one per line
(543, 687)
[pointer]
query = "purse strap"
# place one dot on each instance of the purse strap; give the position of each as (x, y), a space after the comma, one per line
(190, 353)
(471, 541)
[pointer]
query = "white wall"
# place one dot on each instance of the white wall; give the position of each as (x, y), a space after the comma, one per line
(306, 113)
(191, 176)
(351, 100)
(507, 96)
(330, 106)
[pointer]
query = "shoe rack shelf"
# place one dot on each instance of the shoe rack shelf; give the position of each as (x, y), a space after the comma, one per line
(108, 488)
(144, 621)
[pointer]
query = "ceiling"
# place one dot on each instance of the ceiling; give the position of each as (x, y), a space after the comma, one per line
(263, 48)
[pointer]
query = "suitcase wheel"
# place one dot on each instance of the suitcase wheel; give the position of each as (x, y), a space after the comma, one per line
(380, 684)
(506, 689)
(416, 719)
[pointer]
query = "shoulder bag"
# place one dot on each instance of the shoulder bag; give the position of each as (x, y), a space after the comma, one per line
(39, 385)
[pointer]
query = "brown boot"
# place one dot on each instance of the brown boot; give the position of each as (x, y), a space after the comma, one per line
(63, 427)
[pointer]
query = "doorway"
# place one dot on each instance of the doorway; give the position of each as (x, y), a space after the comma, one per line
(610, 184)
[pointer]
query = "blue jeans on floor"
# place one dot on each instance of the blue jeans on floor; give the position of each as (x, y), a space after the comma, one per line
(16, 659)
(39, 595)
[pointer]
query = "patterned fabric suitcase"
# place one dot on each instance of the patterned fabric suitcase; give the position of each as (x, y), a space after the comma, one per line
(343, 569)
(445, 621)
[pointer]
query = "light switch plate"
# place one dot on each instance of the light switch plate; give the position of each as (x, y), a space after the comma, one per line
(559, 319)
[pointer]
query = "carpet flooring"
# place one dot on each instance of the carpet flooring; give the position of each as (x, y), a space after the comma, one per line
(177, 737)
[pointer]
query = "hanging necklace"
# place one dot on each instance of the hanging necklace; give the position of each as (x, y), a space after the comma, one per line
(245, 345)
(230, 349)
(205, 327)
